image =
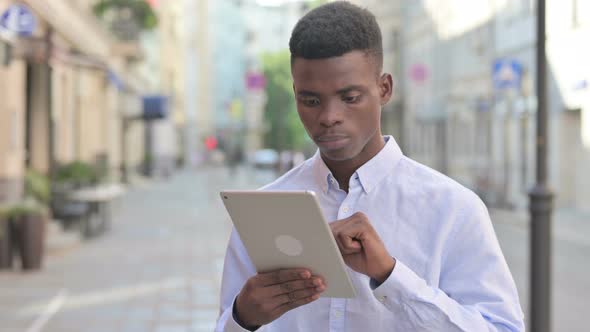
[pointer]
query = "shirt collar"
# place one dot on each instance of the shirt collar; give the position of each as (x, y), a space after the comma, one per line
(369, 174)
(380, 166)
(322, 173)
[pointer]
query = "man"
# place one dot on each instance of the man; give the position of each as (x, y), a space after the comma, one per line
(421, 248)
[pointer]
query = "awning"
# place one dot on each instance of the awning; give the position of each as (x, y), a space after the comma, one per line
(155, 107)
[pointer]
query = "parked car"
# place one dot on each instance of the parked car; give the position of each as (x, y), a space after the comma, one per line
(266, 158)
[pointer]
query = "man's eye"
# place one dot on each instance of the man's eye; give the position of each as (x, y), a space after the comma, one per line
(351, 99)
(310, 101)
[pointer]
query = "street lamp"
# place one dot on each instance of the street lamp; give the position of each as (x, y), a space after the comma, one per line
(541, 198)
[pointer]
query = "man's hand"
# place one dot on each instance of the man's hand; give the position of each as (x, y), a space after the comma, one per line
(362, 248)
(267, 296)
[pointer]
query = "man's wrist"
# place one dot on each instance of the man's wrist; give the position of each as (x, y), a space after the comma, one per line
(239, 321)
(380, 278)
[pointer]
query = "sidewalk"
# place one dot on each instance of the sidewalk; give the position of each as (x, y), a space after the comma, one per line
(570, 274)
(158, 269)
(568, 224)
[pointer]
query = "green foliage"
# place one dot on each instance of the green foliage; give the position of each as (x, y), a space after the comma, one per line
(141, 11)
(285, 129)
(27, 208)
(37, 186)
(4, 220)
(296, 135)
(77, 172)
(311, 4)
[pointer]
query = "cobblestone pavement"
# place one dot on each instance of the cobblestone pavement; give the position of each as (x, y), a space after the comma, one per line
(159, 267)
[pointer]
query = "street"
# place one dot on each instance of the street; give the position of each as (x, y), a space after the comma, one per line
(159, 267)
(571, 272)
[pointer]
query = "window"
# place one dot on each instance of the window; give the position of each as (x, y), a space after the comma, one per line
(519, 8)
(580, 12)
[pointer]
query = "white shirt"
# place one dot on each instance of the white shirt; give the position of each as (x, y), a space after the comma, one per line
(450, 273)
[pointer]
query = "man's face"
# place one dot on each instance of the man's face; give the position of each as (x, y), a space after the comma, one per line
(339, 102)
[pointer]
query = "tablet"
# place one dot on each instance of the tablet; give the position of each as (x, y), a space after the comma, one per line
(286, 229)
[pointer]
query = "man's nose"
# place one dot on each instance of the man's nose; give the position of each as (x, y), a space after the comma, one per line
(331, 114)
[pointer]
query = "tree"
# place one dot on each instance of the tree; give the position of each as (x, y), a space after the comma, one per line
(315, 3)
(285, 129)
(126, 17)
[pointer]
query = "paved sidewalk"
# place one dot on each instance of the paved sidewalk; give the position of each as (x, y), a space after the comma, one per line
(568, 224)
(158, 269)
(570, 269)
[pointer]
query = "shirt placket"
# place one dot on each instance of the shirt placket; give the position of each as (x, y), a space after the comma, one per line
(337, 309)
(338, 306)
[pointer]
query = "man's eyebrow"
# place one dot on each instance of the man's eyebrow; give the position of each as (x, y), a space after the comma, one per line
(350, 88)
(306, 93)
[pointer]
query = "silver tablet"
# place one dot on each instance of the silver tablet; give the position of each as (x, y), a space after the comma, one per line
(286, 229)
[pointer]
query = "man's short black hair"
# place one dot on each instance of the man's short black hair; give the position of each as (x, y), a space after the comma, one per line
(334, 29)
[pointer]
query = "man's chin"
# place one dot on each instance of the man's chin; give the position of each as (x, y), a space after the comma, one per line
(337, 155)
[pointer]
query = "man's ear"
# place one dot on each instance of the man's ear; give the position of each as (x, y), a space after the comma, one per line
(385, 88)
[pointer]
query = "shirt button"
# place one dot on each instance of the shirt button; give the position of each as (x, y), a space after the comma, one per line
(337, 313)
(382, 298)
(345, 209)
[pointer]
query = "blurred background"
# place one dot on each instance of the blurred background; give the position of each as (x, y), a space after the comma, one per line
(120, 121)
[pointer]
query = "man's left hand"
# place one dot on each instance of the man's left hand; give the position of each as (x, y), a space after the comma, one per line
(362, 248)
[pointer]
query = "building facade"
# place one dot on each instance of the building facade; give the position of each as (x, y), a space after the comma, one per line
(65, 87)
(469, 116)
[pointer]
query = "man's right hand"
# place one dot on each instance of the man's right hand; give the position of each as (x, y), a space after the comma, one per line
(267, 296)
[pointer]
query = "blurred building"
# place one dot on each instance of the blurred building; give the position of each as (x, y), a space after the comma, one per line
(66, 87)
(199, 78)
(185, 76)
(12, 120)
(268, 26)
(166, 133)
(228, 44)
(465, 72)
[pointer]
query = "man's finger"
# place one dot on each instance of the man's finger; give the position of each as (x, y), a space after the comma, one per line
(353, 224)
(347, 244)
(291, 286)
(339, 223)
(279, 311)
(280, 276)
(298, 295)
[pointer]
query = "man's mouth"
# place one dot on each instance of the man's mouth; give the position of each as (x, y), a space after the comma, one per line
(332, 142)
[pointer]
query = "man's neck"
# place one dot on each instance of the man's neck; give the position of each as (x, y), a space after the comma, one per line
(342, 174)
(343, 170)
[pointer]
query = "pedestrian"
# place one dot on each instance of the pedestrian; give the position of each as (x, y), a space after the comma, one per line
(422, 253)
(234, 156)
